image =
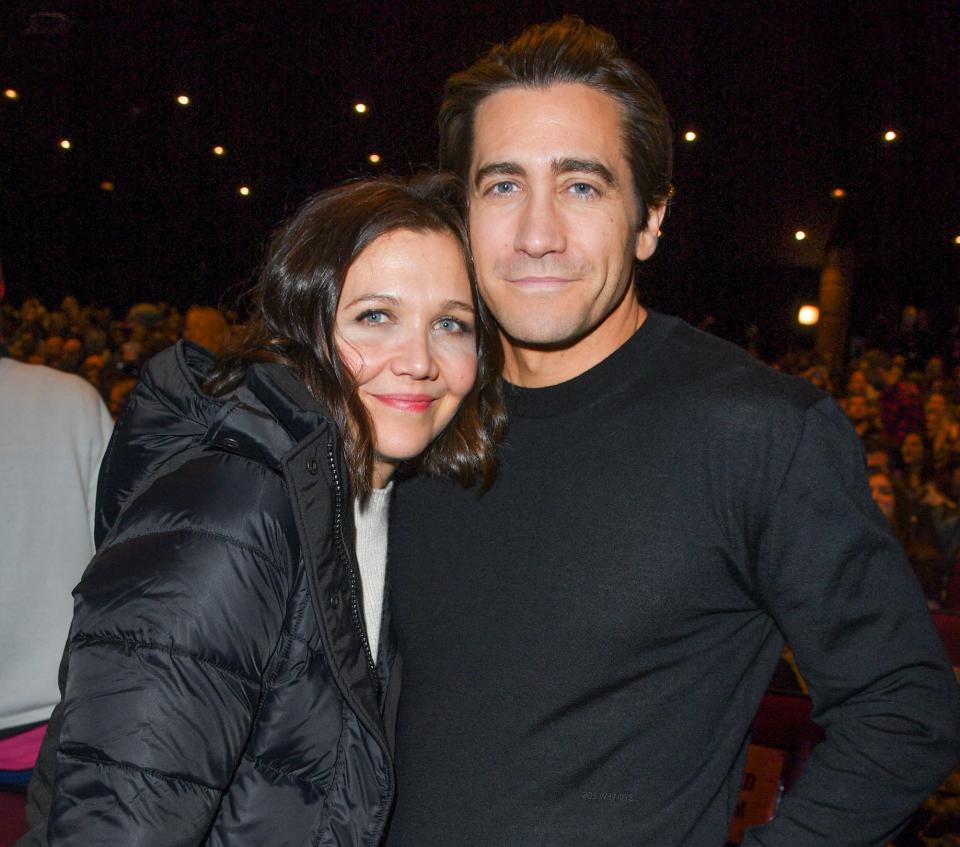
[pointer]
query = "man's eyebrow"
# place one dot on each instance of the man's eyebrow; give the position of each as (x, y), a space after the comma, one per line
(558, 166)
(504, 168)
(584, 166)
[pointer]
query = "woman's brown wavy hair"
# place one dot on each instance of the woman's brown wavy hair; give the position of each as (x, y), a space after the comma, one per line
(294, 305)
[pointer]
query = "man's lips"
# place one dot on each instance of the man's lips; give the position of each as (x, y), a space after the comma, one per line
(540, 283)
(406, 402)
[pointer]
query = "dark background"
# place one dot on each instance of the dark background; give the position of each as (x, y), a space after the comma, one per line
(789, 100)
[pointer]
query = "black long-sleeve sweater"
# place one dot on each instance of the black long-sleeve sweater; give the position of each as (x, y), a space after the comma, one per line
(586, 644)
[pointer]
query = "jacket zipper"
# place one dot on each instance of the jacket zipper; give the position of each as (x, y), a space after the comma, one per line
(351, 574)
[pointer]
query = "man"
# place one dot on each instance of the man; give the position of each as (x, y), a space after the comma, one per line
(861, 416)
(206, 326)
(54, 429)
(879, 454)
(586, 643)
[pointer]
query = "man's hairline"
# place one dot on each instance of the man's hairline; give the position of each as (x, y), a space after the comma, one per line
(642, 207)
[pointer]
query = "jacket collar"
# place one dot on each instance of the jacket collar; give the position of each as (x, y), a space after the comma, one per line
(285, 395)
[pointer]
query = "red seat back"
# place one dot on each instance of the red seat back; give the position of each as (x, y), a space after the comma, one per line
(948, 625)
(951, 599)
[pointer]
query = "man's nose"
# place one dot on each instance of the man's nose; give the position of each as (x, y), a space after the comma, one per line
(540, 228)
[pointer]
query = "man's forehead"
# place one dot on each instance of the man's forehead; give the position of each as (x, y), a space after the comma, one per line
(563, 122)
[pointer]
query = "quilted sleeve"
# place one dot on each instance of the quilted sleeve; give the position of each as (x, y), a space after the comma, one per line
(174, 625)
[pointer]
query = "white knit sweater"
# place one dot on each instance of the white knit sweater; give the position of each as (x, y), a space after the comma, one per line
(53, 430)
(372, 524)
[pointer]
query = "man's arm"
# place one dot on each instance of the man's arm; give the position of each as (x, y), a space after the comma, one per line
(841, 591)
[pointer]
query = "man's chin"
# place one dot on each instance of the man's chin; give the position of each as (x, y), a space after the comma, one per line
(542, 338)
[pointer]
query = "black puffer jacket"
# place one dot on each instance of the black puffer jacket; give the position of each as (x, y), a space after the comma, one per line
(217, 683)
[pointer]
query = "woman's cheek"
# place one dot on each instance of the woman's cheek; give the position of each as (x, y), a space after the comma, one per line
(467, 372)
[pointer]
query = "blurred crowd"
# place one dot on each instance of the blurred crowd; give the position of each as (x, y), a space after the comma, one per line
(104, 349)
(902, 401)
(904, 404)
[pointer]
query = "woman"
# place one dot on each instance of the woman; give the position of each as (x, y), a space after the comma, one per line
(913, 528)
(226, 680)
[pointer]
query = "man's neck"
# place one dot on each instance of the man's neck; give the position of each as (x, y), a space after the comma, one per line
(540, 367)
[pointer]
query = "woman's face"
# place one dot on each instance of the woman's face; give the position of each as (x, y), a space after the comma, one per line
(912, 449)
(882, 491)
(406, 329)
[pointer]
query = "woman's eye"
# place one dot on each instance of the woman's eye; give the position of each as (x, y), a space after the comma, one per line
(452, 325)
(372, 317)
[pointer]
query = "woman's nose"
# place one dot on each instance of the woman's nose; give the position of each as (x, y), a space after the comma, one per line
(414, 357)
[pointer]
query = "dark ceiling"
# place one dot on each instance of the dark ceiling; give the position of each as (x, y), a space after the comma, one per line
(789, 100)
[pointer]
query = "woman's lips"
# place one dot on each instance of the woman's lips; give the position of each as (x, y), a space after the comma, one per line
(406, 402)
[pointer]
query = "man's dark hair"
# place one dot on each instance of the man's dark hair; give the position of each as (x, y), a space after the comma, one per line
(294, 307)
(877, 443)
(566, 51)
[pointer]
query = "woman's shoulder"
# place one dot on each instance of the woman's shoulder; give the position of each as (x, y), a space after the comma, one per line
(228, 499)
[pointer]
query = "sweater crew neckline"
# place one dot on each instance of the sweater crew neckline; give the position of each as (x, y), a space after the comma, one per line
(627, 363)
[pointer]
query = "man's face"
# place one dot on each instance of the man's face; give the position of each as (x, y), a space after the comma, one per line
(553, 213)
(205, 327)
(881, 489)
(911, 449)
(857, 408)
(880, 460)
(937, 403)
(857, 382)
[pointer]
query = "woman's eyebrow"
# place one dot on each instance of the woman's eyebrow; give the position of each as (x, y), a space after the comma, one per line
(390, 300)
(376, 298)
(457, 304)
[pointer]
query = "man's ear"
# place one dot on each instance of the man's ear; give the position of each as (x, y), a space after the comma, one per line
(647, 236)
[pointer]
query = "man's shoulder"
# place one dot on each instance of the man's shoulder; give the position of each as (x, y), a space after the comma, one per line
(719, 373)
(40, 385)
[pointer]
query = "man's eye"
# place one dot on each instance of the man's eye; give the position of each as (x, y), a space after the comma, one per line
(583, 189)
(505, 187)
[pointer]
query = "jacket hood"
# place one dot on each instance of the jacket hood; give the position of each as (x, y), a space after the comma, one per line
(168, 414)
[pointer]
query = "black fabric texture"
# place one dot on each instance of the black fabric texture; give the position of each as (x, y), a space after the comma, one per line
(215, 685)
(586, 644)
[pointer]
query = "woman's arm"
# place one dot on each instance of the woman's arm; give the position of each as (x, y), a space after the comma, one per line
(174, 625)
